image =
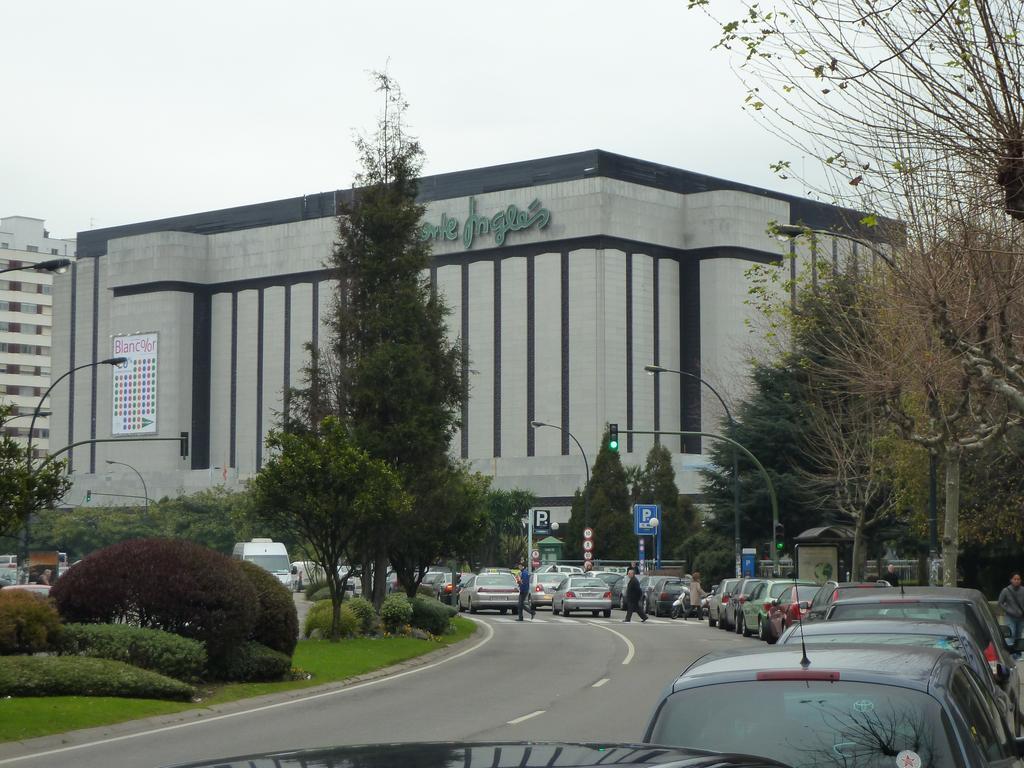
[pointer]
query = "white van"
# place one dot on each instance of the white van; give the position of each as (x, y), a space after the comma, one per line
(271, 556)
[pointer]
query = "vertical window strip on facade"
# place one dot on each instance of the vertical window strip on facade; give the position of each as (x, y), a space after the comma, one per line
(656, 340)
(565, 351)
(629, 351)
(260, 305)
(464, 275)
(233, 406)
(95, 356)
(71, 363)
(497, 357)
(531, 405)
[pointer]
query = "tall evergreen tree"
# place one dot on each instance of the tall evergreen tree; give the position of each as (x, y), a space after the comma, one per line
(608, 511)
(389, 371)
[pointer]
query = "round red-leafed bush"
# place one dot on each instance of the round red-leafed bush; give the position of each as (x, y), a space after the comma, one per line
(277, 624)
(170, 584)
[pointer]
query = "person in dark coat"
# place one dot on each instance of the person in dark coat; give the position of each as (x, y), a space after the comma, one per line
(634, 597)
(524, 592)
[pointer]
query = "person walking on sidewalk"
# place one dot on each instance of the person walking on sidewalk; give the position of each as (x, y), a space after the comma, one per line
(634, 596)
(697, 594)
(1011, 600)
(524, 592)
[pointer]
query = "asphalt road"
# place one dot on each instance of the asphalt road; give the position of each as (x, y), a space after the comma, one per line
(549, 679)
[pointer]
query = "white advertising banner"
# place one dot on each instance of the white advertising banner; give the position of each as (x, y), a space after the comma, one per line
(135, 385)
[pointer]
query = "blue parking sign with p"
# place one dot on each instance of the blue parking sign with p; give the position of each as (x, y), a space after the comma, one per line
(642, 516)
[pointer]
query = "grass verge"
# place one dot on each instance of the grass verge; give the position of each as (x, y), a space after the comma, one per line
(27, 718)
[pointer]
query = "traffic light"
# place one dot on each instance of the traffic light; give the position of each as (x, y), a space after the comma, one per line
(613, 437)
(183, 451)
(88, 496)
(780, 537)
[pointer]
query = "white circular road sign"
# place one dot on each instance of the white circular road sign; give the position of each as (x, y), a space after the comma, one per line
(588, 533)
(588, 555)
(588, 545)
(535, 554)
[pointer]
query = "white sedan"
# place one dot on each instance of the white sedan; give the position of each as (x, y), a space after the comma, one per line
(582, 593)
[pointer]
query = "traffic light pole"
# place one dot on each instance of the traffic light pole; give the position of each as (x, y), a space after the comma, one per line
(749, 455)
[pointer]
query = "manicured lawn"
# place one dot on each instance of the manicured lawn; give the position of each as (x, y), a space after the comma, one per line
(26, 718)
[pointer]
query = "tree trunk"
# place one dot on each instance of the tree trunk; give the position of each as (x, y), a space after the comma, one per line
(380, 579)
(336, 596)
(860, 549)
(367, 576)
(951, 527)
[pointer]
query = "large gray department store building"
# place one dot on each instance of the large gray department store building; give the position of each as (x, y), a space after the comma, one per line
(565, 275)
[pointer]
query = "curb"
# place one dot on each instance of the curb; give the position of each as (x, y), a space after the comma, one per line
(28, 747)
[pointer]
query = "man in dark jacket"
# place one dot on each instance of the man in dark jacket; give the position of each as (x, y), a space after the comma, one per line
(1011, 600)
(634, 596)
(524, 592)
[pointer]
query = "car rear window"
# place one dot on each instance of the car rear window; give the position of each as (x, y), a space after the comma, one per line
(495, 580)
(946, 642)
(550, 578)
(778, 590)
(808, 723)
(588, 582)
(948, 613)
(806, 591)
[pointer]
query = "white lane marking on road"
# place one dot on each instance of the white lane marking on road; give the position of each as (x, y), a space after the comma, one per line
(600, 682)
(630, 650)
(526, 717)
(264, 708)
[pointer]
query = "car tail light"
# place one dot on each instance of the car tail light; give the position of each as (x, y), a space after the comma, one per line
(607, 595)
(768, 607)
(798, 674)
(725, 599)
(742, 599)
(663, 596)
(571, 595)
(835, 595)
(447, 587)
(538, 588)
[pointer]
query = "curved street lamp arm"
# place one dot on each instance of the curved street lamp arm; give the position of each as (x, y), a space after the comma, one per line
(145, 491)
(662, 369)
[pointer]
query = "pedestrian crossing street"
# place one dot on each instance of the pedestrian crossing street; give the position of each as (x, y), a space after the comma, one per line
(560, 621)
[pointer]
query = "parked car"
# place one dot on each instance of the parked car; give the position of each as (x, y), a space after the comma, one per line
(443, 588)
(922, 634)
(967, 607)
(495, 591)
(8, 562)
(556, 568)
(578, 592)
(542, 587)
(789, 608)
(430, 581)
(660, 592)
(718, 601)
(863, 706)
(754, 616)
(8, 577)
(831, 591)
(35, 589)
(734, 608)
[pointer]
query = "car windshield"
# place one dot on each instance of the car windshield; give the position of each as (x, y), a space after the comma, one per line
(550, 579)
(8, 576)
(946, 642)
(780, 589)
(587, 582)
(610, 578)
(272, 563)
(948, 613)
(806, 591)
(809, 723)
(495, 580)
(432, 577)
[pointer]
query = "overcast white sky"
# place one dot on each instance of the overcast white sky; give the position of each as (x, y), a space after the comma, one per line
(117, 112)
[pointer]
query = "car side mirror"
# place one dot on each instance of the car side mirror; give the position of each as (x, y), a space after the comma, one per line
(804, 605)
(1020, 746)
(1005, 630)
(295, 570)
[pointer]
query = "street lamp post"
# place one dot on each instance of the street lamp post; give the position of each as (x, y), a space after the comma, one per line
(39, 407)
(737, 543)
(58, 266)
(145, 491)
(586, 467)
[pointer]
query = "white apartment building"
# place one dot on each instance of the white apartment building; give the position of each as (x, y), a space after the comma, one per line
(26, 320)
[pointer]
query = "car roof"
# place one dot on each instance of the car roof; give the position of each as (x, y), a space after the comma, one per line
(880, 627)
(893, 595)
(907, 666)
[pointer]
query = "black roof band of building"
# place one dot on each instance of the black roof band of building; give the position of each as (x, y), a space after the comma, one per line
(497, 178)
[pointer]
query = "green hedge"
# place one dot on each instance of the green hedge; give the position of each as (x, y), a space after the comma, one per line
(168, 654)
(431, 615)
(79, 676)
(28, 622)
(363, 609)
(396, 612)
(253, 662)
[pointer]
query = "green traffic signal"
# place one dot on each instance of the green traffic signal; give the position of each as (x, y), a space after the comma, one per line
(613, 437)
(779, 545)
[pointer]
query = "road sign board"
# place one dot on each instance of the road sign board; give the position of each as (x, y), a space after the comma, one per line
(541, 522)
(535, 554)
(588, 533)
(588, 545)
(588, 555)
(642, 516)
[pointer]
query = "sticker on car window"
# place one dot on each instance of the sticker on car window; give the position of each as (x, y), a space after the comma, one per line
(908, 759)
(864, 705)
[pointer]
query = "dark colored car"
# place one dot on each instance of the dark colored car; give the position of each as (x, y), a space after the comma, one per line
(923, 634)
(661, 591)
(444, 591)
(852, 706)
(519, 754)
(832, 590)
(789, 608)
(966, 607)
(734, 608)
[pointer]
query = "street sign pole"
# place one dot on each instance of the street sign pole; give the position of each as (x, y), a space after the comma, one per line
(529, 538)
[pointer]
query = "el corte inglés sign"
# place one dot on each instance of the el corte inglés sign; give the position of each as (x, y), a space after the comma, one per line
(510, 219)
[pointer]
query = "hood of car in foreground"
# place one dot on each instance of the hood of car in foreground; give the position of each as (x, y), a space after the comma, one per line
(463, 755)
